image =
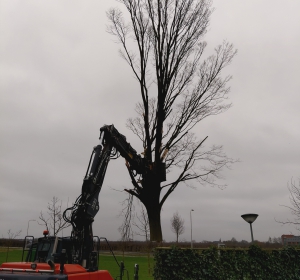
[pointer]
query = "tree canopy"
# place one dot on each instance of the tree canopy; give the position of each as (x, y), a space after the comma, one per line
(162, 42)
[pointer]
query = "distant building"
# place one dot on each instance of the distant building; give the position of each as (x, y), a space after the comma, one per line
(289, 239)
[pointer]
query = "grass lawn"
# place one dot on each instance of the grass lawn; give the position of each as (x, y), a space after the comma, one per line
(106, 262)
(145, 266)
(14, 255)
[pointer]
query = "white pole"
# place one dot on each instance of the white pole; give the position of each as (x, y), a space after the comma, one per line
(28, 225)
(191, 228)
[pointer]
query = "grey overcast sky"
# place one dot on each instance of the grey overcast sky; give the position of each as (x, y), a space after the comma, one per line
(62, 79)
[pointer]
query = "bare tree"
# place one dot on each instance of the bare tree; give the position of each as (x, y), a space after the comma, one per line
(126, 228)
(294, 191)
(163, 44)
(11, 235)
(53, 220)
(142, 225)
(177, 225)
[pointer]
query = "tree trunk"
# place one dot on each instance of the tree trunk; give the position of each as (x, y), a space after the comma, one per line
(153, 211)
(150, 199)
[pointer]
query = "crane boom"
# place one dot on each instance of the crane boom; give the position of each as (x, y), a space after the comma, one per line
(87, 205)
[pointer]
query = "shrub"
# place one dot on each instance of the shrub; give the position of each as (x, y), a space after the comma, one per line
(224, 264)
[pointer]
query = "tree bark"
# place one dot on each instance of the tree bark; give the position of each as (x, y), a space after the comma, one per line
(150, 197)
(153, 211)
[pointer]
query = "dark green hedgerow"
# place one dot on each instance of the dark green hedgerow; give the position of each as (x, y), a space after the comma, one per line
(255, 263)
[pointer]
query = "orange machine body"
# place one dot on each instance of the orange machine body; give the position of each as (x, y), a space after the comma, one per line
(72, 271)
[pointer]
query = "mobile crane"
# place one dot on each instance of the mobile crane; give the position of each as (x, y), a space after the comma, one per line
(74, 257)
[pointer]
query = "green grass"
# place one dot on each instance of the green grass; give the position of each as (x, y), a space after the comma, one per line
(145, 266)
(106, 262)
(14, 255)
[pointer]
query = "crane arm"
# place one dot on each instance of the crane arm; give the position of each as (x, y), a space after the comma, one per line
(87, 205)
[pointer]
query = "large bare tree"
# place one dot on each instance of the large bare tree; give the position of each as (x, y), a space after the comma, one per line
(162, 42)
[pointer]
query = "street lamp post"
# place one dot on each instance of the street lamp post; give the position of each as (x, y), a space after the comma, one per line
(250, 218)
(28, 225)
(191, 228)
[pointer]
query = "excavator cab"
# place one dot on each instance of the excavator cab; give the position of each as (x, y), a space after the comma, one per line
(49, 248)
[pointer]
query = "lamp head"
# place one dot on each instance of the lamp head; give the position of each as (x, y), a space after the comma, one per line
(249, 218)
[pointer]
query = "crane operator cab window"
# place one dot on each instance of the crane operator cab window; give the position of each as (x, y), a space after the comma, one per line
(39, 252)
(50, 248)
(43, 251)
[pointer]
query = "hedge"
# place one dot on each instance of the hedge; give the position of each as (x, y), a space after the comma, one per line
(223, 264)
